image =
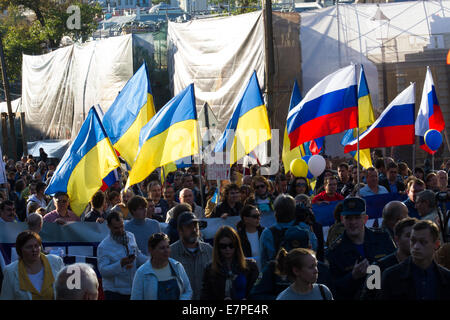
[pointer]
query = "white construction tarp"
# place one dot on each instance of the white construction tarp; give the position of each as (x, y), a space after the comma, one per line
(59, 88)
(16, 106)
(53, 148)
(218, 55)
(336, 36)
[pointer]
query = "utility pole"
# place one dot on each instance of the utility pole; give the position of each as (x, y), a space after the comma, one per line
(270, 62)
(8, 100)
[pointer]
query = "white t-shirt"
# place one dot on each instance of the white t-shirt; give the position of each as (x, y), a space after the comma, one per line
(37, 279)
(164, 274)
(253, 239)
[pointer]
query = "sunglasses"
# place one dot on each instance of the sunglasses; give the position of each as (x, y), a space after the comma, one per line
(300, 185)
(223, 246)
(261, 186)
(254, 216)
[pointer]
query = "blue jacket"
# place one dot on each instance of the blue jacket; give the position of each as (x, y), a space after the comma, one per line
(412, 211)
(145, 283)
(266, 243)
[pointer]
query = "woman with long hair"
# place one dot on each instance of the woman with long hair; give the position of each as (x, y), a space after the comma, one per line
(300, 265)
(299, 186)
(249, 230)
(32, 277)
(230, 276)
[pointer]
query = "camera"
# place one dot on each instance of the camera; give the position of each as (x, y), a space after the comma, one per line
(442, 196)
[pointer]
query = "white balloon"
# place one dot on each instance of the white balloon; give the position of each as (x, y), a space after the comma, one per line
(316, 165)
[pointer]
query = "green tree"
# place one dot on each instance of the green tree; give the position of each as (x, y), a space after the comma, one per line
(42, 30)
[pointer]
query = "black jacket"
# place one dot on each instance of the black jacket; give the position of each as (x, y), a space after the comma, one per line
(397, 282)
(214, 283)
(246, 247)
(343, 254)
(93, 215)
(225, 208)
(384, 263)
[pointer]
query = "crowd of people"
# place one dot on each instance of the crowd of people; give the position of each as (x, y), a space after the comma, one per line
(155, 249)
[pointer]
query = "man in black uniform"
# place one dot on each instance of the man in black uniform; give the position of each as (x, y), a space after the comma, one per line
(357, 248)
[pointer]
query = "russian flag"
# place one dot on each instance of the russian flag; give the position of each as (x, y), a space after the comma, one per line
(430, 114)
(109, 180)
(394, 127)
(330, 107)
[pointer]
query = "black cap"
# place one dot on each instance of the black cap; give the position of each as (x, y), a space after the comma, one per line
(187, 218)
(353, 206)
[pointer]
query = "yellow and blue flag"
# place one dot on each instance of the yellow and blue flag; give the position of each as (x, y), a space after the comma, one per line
(89, 159)
(131, 111)
(170, 135)
(249, 124)
(215, 197)
(166, 169)
(287, 154)
(365, 119)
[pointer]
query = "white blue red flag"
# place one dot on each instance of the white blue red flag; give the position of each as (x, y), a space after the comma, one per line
(394, 127)
(330, 107)
(430, 114)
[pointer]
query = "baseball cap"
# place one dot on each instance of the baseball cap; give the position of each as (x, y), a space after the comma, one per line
(188, 217)
(353, 206)
(296, 237)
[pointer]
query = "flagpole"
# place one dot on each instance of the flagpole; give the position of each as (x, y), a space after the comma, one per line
(432, 162)
(357, 148)
(200, 148)
(164, 175)
(357, 144)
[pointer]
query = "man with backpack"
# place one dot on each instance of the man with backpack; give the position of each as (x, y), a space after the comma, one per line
(271, 238)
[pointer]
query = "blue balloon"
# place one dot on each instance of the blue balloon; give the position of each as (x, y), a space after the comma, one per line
(433, 139)
(309, 175)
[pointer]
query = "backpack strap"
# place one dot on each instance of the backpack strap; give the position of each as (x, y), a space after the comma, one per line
(322, 292)
(277, 237)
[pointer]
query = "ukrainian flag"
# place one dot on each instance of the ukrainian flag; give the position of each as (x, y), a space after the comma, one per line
(89, 159)
(287, 154)
(170, 135)
(166, 169)
(365, 119)
(131, 111)
(249, 124)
